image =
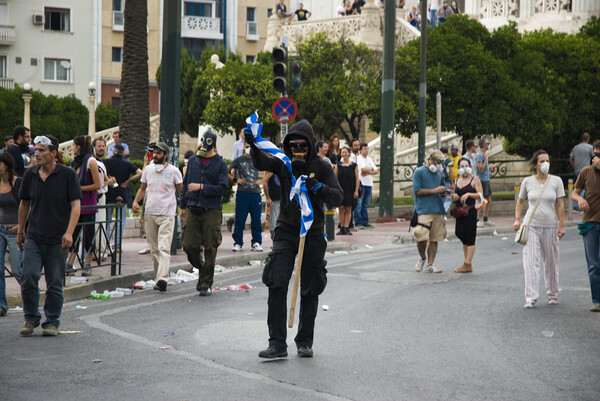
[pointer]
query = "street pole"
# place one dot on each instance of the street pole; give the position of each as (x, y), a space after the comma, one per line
(170, 87)
(27, 108)
(92, 112)
(423, 85)
(386, 164)
(438, 120)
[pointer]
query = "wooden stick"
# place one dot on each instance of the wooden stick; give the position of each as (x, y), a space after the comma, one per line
(296, 281)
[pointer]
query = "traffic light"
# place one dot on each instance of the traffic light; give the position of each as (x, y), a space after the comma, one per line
(280, 69)
(296, 78)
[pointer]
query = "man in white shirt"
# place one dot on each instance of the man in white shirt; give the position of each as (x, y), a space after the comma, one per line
(367, 169)
(238, 147)
(355, 149)
(160, 181)
(322, 149)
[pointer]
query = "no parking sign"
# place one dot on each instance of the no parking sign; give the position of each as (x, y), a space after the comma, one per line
(284, 110)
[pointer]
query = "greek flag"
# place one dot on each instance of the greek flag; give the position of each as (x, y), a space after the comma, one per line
(298, 191)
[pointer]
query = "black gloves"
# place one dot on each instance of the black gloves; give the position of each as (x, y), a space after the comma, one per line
(249, 137)
(313, 185)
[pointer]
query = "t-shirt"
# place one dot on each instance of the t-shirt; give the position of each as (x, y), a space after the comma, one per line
(245, 169)
(301, 14)
(545, 214)
(121, 170)
(238, 149)
(455, 165)
(50, 203)
(161, 188)
(485, 174)
(281, 7)
(589, 179)
(102, 167)
(435, 5)
(16, 154)
(362, 162)
(582, 155)
(425, 179)
(112, 145)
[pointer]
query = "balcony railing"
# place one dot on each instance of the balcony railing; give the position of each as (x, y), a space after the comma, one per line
(7, 83)
(7, 35)
(201, 27)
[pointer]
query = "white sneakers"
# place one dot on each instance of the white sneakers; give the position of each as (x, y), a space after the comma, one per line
(144, 251)
(256, 247)
(429, 269)
(237, 248)
(433, 269)
(419, 265)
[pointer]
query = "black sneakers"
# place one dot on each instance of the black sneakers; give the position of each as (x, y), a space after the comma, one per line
(273, 352)
(305, 352)
(205, 291)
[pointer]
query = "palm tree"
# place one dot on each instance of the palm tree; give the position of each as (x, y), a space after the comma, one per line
(134, 123)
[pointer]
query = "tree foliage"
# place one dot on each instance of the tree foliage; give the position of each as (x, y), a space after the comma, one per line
(106, 116)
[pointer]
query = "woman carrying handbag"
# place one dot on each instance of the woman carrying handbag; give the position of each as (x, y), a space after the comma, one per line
(545, 226)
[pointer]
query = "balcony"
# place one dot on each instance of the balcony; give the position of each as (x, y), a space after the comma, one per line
(201, 28)
(118, 22)
(7, 35)
(7, 83)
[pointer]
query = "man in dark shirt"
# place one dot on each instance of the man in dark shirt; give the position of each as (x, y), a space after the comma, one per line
(357, 5)
(302, 14)
(22, 138)
(124, 172)
(50, 202)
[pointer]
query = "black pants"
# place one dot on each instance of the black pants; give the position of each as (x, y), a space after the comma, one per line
(276, 276)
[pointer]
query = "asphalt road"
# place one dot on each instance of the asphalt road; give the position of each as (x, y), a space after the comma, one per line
(389, 334)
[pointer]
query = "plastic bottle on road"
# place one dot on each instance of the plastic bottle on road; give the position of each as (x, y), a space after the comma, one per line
(79, 280)
(125, 291)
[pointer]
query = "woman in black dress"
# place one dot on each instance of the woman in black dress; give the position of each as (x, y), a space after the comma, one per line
(347, 174)
(467, 190)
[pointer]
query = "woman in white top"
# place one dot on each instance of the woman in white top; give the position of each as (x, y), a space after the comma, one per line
(546, 228)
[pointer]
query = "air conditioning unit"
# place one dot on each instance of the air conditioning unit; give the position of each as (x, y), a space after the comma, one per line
(38, 19)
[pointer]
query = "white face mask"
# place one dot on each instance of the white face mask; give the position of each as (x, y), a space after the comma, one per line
(247, 151)
(159, 167)
(465, 171)
(545, 167)
(436, 168)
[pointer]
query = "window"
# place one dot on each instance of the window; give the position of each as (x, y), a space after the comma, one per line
(250, 59)
(117, 54)
(57, 70)
(115, 102)
(118, 18)
(197, 9)
(117, 5)
(3, 73)
(269, 12)
(57, 19)
(250, 14)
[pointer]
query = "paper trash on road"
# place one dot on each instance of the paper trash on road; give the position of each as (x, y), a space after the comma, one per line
(79, 307)
(166, 347)
(547, 333)
(368, 246)
(325, 307)
(234, 287)
(70, 332)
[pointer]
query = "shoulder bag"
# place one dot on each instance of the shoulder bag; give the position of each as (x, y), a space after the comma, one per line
(521, 236)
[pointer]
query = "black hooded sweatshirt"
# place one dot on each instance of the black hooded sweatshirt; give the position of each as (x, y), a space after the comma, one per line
(330, 192)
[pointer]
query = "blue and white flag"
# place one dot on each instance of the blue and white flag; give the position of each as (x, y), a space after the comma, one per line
(298, 191)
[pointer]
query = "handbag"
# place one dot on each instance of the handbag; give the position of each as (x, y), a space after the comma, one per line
(522, 232)
(460, 211)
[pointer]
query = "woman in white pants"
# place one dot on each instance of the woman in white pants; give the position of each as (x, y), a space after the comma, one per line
(546, 228)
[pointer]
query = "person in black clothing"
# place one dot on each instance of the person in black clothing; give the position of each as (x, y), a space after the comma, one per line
(201, 209)
(357, 5)
(347, 174)
(22, 137)
(323, 187)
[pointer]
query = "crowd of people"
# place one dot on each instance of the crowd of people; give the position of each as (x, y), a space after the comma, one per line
(438, 13)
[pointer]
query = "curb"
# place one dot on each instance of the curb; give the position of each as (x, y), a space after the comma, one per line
(80, 291)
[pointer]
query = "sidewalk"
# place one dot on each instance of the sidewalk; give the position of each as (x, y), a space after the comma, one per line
(135, 267)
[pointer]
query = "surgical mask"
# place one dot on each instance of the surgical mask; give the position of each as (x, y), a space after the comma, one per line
(545, 167)
(159, 167)
(247, 151)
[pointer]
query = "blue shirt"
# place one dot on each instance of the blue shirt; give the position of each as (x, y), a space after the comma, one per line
(112, 145)
(425, 179)
(485, 174)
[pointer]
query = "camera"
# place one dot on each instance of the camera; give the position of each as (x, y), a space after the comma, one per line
(595, 155)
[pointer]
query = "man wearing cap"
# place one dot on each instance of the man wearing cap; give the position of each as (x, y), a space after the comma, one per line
(160, 182)
(50, 202)
(428, 188)
(124, 172)
(201, 209)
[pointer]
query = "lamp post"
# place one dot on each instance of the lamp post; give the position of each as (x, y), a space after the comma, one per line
(92, 97)
(27, 100)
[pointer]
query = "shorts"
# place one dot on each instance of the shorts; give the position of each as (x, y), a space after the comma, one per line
(436, 233)
(274, 215)
(487, 189)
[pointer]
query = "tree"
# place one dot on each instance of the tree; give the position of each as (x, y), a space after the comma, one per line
(341, 82)
(134, 120)
(106, 116)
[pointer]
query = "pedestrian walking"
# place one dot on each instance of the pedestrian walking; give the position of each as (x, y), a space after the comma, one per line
(88, 174)
(201, 206)
(50, 198)
(546, 227)
(589, 228)
(161, 182)
(429, 188)
(10, 184)
(247, 200)
(367, 170)
(348, 177)
(320, 186)
(467, 189)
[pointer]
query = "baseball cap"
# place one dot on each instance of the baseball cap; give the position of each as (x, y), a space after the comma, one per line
(162, 146)
(454, 146)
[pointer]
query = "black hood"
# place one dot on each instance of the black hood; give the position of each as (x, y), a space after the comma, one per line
(302, 129)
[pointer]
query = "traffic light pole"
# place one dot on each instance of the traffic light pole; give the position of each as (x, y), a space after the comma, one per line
(423, 87)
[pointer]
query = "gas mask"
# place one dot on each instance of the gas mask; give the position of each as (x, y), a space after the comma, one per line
(436, 168)
(299, 149)
(464, 171)
(208, 142)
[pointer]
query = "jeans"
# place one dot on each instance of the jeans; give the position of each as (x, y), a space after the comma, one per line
(119, 230)
(592, 247)
(433, 18)
(7, 239)
(52, 258)
(361, 213)
(247, 202)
